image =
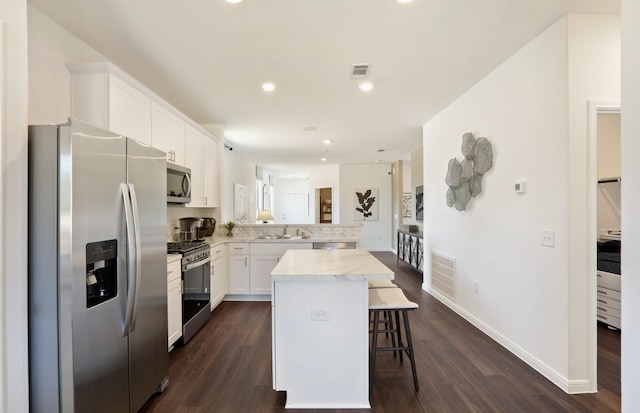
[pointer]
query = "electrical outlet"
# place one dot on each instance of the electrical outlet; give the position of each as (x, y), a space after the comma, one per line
(320, 314)
(476, 286)
(548, 238)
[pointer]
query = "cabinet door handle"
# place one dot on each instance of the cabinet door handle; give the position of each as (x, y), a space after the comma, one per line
(245, 261)
(205, 200)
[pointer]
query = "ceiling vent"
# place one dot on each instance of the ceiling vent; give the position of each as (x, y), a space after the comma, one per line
(360, 71)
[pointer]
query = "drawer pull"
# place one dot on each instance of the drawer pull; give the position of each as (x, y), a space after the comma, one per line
(602, 317)
(602, 301)
(602, 292)
(169, 272)
(603, 309)
(599, 276)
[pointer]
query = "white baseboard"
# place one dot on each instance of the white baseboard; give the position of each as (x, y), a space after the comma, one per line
(568, 386)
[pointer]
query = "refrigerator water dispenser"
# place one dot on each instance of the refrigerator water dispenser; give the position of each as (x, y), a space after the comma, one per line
(102, 271)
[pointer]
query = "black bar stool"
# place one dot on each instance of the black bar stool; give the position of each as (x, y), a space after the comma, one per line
(382, 300)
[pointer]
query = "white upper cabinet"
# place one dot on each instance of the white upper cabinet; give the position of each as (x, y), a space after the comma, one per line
(104, 96)
(105, 100)
(129, 111)
(167, 133)
(201, 156)
(194, 161)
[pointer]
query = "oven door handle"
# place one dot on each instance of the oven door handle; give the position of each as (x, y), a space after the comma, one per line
(197, 264)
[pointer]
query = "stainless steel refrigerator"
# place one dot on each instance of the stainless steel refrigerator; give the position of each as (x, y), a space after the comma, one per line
(97, 270)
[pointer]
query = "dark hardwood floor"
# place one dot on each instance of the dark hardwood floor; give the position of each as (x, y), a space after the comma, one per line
(226, 367)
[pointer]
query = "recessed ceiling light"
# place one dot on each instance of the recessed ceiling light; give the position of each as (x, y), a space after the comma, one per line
(238, 1)
(404, 1)
(327, 141)
(310, 128)
(323, 159)
(268, 87)
(366, 86)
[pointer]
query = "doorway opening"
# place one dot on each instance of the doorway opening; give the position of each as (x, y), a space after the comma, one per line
(324, 206)
(604, 238)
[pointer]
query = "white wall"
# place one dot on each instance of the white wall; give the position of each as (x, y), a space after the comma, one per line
(521, 107)
(631, 205)
(533, 110)
(406, 175)
(14, 395)
(283, 185)
(594, 73)
(50, 48)
(238, 168)
(416, 180)
(376, 235)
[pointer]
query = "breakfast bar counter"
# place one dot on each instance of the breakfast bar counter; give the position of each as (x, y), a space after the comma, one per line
(320, 325)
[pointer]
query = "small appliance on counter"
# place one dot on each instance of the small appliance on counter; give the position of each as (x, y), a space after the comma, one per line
(190, 229)
(208, 226)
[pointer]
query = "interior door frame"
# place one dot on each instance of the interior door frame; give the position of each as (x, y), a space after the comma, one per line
(595, 107)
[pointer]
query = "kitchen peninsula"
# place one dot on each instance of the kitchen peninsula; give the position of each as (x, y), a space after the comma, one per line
(320, 324)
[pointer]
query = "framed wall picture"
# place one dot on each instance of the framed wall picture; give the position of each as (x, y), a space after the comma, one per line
(365, 204)
(240, 203)
(406, 205)
(419, 203)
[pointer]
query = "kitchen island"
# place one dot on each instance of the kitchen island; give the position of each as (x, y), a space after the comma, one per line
(320, 325)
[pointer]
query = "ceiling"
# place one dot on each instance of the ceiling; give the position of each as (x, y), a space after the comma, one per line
(209, 58)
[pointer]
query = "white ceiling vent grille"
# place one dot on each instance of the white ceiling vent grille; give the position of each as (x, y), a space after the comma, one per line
(360, 71)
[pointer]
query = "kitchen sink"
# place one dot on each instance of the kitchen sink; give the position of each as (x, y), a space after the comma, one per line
(265, 236)
(291, 237)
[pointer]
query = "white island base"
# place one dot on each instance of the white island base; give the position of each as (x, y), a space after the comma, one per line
(320, 327)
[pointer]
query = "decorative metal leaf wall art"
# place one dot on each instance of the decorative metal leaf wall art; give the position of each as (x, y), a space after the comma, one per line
(366, 205)
(464, 178)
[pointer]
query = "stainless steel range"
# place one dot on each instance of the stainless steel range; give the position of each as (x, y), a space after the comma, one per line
(196, 296)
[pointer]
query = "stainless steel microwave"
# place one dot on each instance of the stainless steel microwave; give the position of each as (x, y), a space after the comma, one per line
(178, 184)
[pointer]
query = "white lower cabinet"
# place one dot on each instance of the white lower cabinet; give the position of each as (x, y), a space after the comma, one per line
(219, 274)
(261, 267)
(264, 257)
(239, 282)
(174, 299)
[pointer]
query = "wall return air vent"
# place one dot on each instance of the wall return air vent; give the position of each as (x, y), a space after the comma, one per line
(360, 71)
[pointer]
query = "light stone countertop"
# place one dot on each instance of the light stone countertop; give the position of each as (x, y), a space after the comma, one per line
(216, 239)
(347, 264)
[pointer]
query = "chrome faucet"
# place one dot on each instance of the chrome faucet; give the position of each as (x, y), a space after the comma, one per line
(284, 231)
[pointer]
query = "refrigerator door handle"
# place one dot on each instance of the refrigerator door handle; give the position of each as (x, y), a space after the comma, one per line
(130, 262)
(136, 226)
